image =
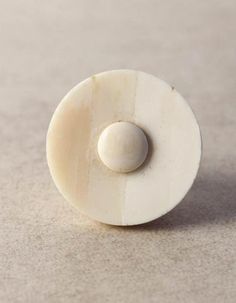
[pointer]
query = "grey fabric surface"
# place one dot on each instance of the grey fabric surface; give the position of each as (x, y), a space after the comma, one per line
(48, 251)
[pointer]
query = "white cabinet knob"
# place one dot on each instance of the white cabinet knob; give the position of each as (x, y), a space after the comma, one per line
(124, 147)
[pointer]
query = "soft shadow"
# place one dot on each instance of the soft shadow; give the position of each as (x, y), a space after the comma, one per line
(212, 200)
(149, 154)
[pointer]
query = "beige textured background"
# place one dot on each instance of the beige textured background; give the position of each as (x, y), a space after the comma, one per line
(48, 251)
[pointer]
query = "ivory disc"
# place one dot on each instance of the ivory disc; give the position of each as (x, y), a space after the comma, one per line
(124, 147)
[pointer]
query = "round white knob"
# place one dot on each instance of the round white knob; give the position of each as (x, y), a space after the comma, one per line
(122, 147)
(77, 137)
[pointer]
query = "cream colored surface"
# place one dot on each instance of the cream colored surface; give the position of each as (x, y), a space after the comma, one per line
(122, 147)
(50, 252)
(85, 182)
(174, 153)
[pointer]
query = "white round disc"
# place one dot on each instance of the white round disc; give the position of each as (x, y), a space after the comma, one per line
(89, 167)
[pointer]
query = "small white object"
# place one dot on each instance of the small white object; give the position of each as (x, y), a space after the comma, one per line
(86, 147)
(122, 147)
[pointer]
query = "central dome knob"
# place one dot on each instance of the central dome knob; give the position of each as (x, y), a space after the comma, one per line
(122, 147)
